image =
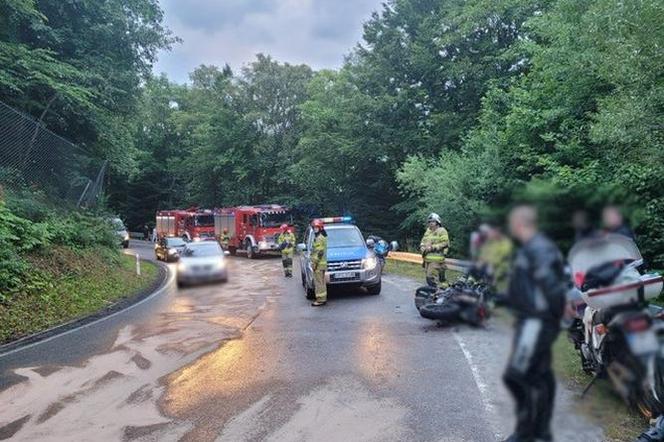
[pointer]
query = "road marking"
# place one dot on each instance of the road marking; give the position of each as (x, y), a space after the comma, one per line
(167, 285)
(479, 381)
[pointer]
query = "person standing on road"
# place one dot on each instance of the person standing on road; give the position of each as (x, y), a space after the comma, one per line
(536, 295)
(286, 243)
(614, 222)
(225, 239)
(319, 262)
(494, 258)
(434, 246)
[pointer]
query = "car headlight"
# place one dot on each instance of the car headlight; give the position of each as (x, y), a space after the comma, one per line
(172, 252)
(182, 267)
(369, 263)
(262, 244)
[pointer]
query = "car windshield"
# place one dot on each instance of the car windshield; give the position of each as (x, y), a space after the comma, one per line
(175, 242)
(344, 237)
(276, 219)
(202, 250)
(204, 220)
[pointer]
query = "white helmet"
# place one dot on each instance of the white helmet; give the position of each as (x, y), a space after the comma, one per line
(435, 218)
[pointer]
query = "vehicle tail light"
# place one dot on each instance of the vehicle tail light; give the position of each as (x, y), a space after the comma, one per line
(579, 277)
(601, 329)
(637, 324)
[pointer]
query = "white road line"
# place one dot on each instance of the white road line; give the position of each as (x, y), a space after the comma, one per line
(167, 285)
(481, 385)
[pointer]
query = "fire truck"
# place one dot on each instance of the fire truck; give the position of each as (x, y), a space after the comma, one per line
(191, 224)
(252, 229)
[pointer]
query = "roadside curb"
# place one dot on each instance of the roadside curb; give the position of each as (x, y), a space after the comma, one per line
(158, 285)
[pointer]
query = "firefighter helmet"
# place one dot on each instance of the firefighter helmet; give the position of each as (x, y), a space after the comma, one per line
(318, 223)
(284, 227)
(434, 218)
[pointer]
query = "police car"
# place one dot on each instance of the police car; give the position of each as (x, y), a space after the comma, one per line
(350, 263)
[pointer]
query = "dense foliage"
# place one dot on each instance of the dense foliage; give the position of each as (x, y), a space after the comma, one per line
(455, 106)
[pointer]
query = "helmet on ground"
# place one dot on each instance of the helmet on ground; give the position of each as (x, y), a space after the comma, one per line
(434, 218)
(318, 223)
(284, 227)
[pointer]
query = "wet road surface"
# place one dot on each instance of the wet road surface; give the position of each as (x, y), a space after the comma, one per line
(251, 360)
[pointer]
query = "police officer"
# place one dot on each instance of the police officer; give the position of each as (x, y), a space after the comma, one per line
(319, 262)
(536, 295)
(225, 239)
(434, 246)
(286, 243)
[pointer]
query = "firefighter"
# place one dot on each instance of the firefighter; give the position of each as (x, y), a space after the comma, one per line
(537, 296)
(494, 258)
(286, 243)
(319, 263)
(434, 246)
(225, 239)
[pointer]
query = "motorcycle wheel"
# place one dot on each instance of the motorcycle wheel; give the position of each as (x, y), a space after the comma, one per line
(443, 312)
(423, 296)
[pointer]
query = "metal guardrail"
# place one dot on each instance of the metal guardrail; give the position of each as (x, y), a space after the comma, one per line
(456, 265)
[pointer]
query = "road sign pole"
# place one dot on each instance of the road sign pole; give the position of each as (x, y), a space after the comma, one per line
(138, 264)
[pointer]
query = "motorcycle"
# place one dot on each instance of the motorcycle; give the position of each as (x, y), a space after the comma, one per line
(615, 332)
(464, 301)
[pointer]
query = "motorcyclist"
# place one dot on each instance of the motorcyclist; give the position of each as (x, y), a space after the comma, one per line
(536, 295)
(434, 246)
(319, 262)
(225, 239)
(286, 243)
(614, 222)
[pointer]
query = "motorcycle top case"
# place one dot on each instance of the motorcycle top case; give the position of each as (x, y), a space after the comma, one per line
(627, 287)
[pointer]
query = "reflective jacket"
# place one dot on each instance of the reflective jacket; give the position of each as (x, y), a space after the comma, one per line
(319, 252)
(286, 242)
(439, 242)
(496, 254)
(538, 284)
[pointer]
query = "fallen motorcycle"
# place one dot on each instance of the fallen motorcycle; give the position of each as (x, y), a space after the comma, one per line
(615, 333)
(463, 301)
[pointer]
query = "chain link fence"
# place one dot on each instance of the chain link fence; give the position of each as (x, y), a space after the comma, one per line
(32, 158)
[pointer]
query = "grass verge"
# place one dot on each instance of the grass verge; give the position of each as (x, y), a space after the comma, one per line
(411, 270)
(602, 404)
(67, 285)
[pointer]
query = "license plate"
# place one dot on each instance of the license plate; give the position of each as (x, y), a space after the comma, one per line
(642, 343)
(344, 275)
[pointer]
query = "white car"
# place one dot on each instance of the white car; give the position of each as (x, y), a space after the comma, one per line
(202, 261)
(121, 232)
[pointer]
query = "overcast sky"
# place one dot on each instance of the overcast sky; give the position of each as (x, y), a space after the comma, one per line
(316, 32)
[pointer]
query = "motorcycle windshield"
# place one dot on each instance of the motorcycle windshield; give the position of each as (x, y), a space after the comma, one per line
(592, 252)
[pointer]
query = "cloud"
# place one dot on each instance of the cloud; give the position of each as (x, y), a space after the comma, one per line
(316, 32)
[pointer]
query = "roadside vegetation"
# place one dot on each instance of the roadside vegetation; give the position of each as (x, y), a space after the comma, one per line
(56, 266)
(455, 107)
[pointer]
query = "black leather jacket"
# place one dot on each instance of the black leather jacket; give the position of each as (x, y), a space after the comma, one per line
(538, 284)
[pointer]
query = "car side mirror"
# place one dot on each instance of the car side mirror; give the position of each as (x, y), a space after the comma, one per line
(394, 246)
(302, 247)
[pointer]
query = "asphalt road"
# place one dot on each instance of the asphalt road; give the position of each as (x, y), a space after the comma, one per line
(251, 360)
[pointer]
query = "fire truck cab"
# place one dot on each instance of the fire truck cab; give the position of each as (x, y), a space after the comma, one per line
(190, 224)
(253, 229)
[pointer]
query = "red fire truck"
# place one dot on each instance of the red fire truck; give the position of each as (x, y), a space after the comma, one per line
(192, 224)
(254, 229)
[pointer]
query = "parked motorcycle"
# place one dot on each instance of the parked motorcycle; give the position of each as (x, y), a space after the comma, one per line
(463, 301)
(615, 332)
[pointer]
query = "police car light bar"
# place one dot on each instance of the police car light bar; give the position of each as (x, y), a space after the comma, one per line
(336, 219)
